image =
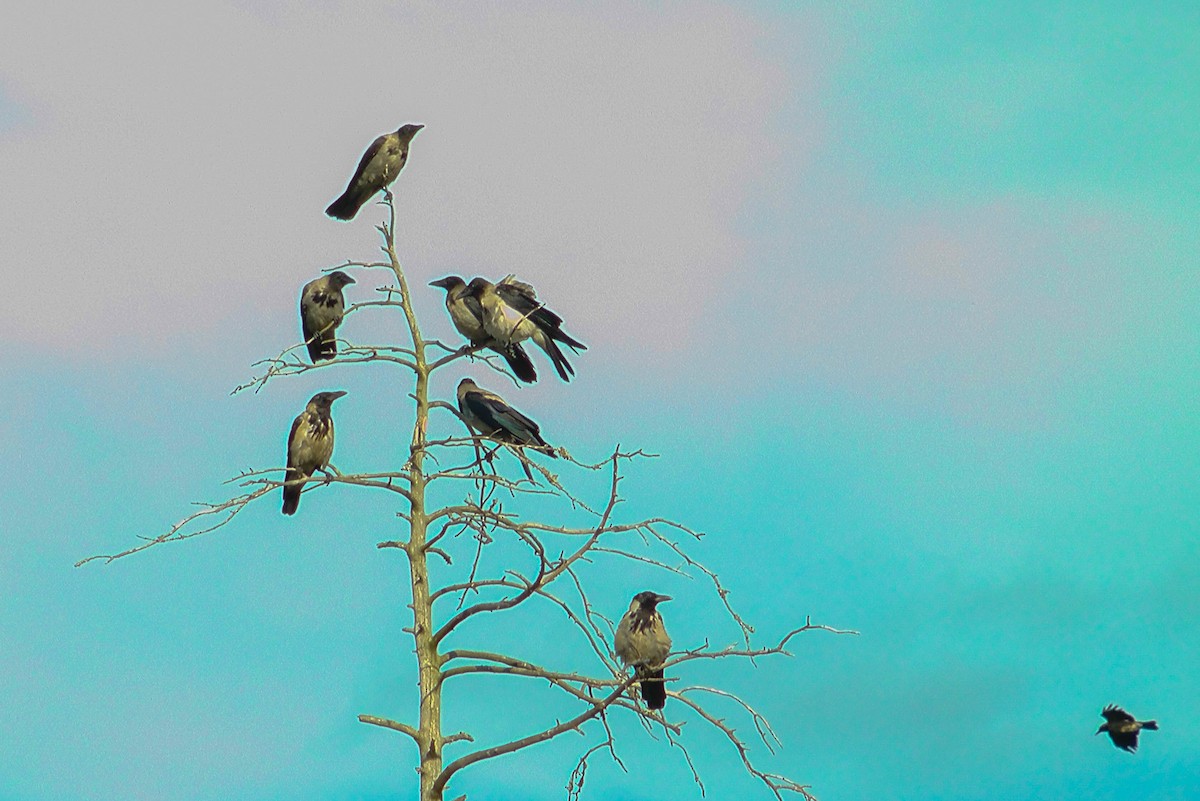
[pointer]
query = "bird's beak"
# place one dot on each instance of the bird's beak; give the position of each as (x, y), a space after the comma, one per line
(441, 282)
(335, 395)
(1098, 731)
(350, 280)
(419, 127)
(660, 598)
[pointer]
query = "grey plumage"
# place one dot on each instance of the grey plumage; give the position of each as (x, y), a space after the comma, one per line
(322, 305)
(512, 313)
(310, 446)
(642, 642)
(491, 416)
(466, 313)
(1123, 728)
(377, 169)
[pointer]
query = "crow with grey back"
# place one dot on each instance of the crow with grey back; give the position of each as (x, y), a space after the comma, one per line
(512, 314)
(310, 446)
(1123, 728)
(377, 169)
(322, 306)
(466, 313)
(643, 643)
(491, 416)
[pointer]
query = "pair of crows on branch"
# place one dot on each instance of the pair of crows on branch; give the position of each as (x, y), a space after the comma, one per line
(495, 316)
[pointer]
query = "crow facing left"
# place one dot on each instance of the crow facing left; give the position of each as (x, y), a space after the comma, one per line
(1123, 728)
(466, 312)
(491, 416)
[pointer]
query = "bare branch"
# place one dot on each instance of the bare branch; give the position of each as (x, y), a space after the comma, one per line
(223, 512)
(575, 781)
(776, 783)
(394, 725)
(517, 582)
(533, 739)
(704, 652)
(364, 265)
(544, 577)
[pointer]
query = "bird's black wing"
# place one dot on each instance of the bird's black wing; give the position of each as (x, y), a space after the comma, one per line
(292, 436)
(371, 153)
(356, 194)
(305, 328)
(291, 495)
(321, 341)
(310, 341)
(1125, 740)
(471, 301)
(519, 362)
(510, 280)
(498, 415)
(545, 319)
(1113, 713)
(522, 298)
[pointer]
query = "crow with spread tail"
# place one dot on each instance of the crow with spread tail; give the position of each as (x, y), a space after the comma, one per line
(1123, 728)
(466, 313)
(512, 314)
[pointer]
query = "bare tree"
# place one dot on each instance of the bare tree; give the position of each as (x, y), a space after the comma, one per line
(483, 510)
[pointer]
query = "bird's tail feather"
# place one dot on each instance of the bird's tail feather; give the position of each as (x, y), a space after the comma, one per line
(321, 348)
(565, 371)
(568, 340)
(524, 463)
(291, 494)
(346, 206)
(654, 691)
(520, 363)
(1152, 725)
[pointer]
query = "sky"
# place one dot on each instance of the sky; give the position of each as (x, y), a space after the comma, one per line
(904, 295)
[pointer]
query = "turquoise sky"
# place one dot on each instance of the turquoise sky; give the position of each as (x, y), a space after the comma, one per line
(905, 296)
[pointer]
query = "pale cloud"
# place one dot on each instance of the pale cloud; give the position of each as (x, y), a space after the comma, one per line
(999, 310)
(180, 158)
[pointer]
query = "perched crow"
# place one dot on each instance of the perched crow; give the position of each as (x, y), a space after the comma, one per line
(642, 641)
(491, 416)
(310, 445)
(378, 168)
(322, 305)
(512, 313)
(1122, 728)
(467, 315)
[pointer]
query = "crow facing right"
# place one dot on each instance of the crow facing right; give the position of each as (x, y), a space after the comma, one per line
(378, 168)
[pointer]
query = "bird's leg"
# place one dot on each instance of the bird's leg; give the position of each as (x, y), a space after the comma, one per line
(387, 195)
